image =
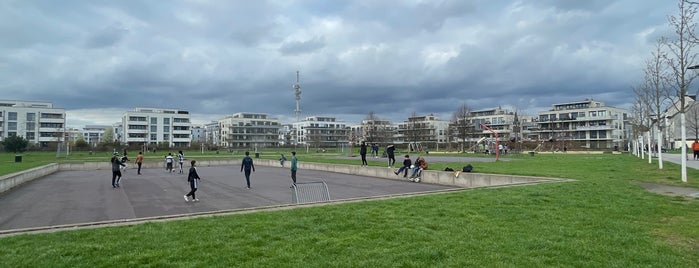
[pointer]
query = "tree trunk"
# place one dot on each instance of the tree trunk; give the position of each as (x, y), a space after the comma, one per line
(660, 147)
(683, 130)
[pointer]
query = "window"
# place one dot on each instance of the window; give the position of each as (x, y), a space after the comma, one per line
(31, 136)
(153, 137)
(31, 117)
(137, 118)
(166, 128)
(166, 137)
(154, 120)
(593, 113)
(31, 126)
(166, 121)
(602, 113)
(11, 125)
(153, 128)
(12, 116)
(139, 127)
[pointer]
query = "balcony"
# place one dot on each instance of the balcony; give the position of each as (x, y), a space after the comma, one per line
(586, 128)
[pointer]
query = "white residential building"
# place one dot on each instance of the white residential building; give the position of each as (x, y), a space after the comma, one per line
(321, 132)
(249, 130)
(422, 131)
(155, 125)
(92, 134)
(38, 122)
(589, 123)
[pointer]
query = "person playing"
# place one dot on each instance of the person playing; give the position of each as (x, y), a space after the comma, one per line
(282, 160)
(294, 163)
(180, 159)
(248, 166)
(139, 161)
(390, 152)
(695, 148)
(362, 152)
(168, 162)
(124, 159)
(116, 170)
(405, 167)
(193, 179)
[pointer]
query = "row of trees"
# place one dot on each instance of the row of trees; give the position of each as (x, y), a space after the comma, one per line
(668, 74)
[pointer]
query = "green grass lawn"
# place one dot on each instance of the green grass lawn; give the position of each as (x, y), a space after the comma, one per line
(603, 219)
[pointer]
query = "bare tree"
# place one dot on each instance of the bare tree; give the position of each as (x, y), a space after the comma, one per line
(461, 125)
(679, 59)
(377, 130)
(655, 89)
(639, 120)
(693, 120)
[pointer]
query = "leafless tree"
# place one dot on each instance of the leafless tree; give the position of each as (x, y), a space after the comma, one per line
(654, 92)
(461, 125)
(693, 120)
(377, 130)
(679, 59)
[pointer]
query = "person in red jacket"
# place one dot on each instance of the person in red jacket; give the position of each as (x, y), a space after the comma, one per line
(695, 148)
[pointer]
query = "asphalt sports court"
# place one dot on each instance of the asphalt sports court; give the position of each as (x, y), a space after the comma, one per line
(79, 197)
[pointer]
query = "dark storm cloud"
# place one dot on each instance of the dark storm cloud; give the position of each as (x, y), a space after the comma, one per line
(391, 58)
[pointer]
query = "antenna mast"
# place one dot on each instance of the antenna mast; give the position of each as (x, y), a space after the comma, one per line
(297, 89)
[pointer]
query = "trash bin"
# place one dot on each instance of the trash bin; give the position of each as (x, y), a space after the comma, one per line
(531, 153)
(18, 158)
(257, 155)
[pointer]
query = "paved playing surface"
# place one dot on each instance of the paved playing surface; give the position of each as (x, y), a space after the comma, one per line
(71, 197)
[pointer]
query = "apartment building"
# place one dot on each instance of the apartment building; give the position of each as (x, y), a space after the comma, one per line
(320, 132)
(38, 122)
(212, 132)
(374, 131)
(422, 131)
(588, 123)
(92, 134)
(151, 126)
(249, 130)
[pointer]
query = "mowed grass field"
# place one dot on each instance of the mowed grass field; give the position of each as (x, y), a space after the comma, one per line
(602, 219)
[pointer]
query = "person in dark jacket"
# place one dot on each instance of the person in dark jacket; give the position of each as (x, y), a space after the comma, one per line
(248, 166)
(390, 152)
(405, 167)
(116, 169)
(362, 152)
(193, 179)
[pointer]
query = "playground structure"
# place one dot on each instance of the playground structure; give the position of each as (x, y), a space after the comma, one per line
(497, 142)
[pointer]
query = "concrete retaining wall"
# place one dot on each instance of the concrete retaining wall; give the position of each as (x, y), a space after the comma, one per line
(466, 180)
(10, 181)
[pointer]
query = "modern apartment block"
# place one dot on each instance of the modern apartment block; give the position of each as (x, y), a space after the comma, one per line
(92, 134)
(38, 122)
(420, 131)
(150, 126)
(589, 124)
(212, 132)
(374, 131)
(249, 130)
(320, 132)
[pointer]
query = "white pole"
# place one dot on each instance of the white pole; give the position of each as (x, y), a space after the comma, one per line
(660, 148)
(641, 148)
(650, 148)
(683, 128)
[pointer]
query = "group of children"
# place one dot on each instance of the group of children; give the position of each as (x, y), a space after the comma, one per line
(417, 168)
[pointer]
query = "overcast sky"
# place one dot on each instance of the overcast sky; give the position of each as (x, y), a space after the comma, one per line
(98, 59)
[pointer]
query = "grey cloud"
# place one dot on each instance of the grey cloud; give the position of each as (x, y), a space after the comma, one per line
(302, 47)
(107, 36)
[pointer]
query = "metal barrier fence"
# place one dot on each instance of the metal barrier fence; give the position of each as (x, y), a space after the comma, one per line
(308, 192)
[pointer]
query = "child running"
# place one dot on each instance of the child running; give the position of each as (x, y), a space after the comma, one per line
(193, 179)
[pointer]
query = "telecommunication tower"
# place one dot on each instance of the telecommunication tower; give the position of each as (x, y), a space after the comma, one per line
(297, 89)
